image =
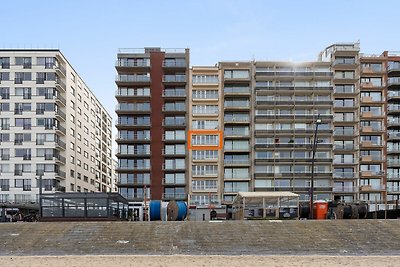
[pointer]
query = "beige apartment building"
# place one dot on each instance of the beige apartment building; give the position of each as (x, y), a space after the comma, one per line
(52, 127)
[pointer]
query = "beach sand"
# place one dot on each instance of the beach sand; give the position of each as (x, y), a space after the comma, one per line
(185, 261)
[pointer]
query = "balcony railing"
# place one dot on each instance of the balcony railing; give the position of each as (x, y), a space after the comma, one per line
(345, 161)
(345, 189)
(338, 132)
(236, 162)
(393, 176)
(177, 181)
(173, 196)
(174, 64)
(132, 78)
(174, 78)
(174, 93)
(345, 175)
(393, 81)
(132, 64)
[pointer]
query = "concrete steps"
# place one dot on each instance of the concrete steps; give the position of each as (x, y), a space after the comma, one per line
(340, 237)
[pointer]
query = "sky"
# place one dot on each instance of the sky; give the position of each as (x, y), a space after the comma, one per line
(89, 32)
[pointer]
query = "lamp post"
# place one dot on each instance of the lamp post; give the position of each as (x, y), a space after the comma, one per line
(40, 194)
(315, 143)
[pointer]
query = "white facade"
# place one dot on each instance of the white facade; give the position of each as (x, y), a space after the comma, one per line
(51, 125)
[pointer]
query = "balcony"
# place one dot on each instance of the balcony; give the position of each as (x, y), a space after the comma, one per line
(364, 144)
(132, 108)
(236, 105)
(236, 162)
(344, 61)
(344, 132)
(130, 64)
(174, 108)
(344, 161)
(369, 188)
(393, 95)
(393, 109)
(174, 79)
(175, 64)
(60, 144)
(393, 150)
(232, 91)
(173, 196)
(371, 129)
(348, 147)
(174, 122)
(393, 68)
(393, 82)
(393, 177)
(60, 174)
(175, 181)
(345, 189)
(172, 153)
(60, 70)
(345, 175)
(60, 129)
(132, 79)
(371, 173)
(133, 124)
(393, 162)
(236, 119)
(394, 136)
(61, 100)
(60, 85)
(345, 89)
(133, 138)
(174, 93)
(133, 153)
(173, 167)
(393, 189)
(60, 115)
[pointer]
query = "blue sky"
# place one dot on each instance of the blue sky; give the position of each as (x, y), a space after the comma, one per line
(90, 32)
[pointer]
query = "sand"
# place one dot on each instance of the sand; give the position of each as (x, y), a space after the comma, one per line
(185, 261)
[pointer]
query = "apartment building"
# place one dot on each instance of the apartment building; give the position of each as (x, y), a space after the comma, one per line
(251, 126)
(52, 126)
(205, 136)
(152, 123)
(391, 68)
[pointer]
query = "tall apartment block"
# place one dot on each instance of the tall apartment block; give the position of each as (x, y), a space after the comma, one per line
(289, 99)
(251, 127)
(205, 136)
(52, 126)
(152, 123)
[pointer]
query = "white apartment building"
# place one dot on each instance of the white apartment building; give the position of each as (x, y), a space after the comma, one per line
(51, 125)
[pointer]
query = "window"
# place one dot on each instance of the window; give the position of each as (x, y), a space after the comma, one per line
(5, 62)
(4, 92)
(72, 146)
(47, 62)
(72, 91)
(236, 74)
(26, 62)
(72, 131)
(72, 104)
(25, 92)
(25, 184)
(4, 76)
(20, 77)
(41, 77)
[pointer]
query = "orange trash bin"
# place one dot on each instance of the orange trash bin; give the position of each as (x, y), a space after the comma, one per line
(320, 210)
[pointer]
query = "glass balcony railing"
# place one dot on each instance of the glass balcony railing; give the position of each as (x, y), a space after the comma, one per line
(345, 175)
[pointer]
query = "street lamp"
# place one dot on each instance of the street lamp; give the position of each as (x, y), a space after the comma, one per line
(315, 143)
(40, 194)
